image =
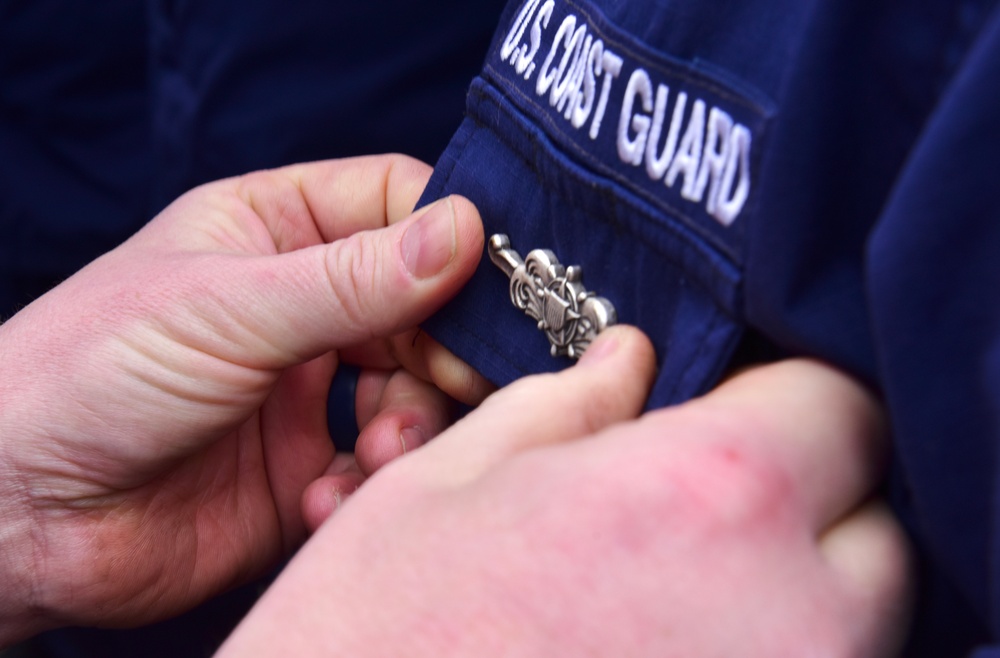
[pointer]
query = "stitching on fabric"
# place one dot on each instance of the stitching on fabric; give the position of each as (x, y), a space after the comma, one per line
(618, 199)
(529, 164)
(717, 315)
(610, 172)
(615, 199)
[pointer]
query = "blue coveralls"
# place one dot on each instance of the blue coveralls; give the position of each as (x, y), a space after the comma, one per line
(797, 177)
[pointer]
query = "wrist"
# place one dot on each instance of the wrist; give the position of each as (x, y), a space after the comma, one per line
(20, 617)
(19, 612)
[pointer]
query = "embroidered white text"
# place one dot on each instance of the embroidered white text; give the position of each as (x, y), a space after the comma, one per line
(679, 140)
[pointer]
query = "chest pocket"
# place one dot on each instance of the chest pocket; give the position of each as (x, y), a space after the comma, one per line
(620, 160)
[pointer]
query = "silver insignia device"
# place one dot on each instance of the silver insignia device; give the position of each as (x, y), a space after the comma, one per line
(554, 296)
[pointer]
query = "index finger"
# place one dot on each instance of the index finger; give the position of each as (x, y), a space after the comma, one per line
(422, 356)
(362, 193)
(307, 204)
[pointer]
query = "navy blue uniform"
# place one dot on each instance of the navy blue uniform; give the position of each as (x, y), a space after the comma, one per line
(110, 110)
(788, 178)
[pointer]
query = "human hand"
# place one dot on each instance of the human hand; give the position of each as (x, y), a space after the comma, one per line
(162, 411)
(404, 398)
(547, 523)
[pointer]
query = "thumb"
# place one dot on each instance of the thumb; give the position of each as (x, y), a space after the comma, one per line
(297, 305)
(608, 385)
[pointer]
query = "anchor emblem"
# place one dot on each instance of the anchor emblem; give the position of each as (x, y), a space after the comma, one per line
(554, 296)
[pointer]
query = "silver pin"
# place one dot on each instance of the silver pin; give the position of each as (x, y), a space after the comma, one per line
(554, 296)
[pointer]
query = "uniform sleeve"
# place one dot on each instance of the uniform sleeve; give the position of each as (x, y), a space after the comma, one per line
(933, 269)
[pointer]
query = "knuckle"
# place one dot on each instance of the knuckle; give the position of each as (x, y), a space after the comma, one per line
(723, 484)
(354, 272)
(276, 198)
(740, 489)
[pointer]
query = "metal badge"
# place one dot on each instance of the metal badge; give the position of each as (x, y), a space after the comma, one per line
(554, 296)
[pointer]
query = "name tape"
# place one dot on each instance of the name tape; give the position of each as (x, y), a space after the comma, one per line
(678, 136)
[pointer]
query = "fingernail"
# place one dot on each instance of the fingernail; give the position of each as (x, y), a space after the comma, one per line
(411, 438)
(605, 345)
(429, 243)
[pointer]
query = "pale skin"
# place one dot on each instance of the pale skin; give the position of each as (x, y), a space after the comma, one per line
(163, 411)
(163, 437)
(729, 526)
